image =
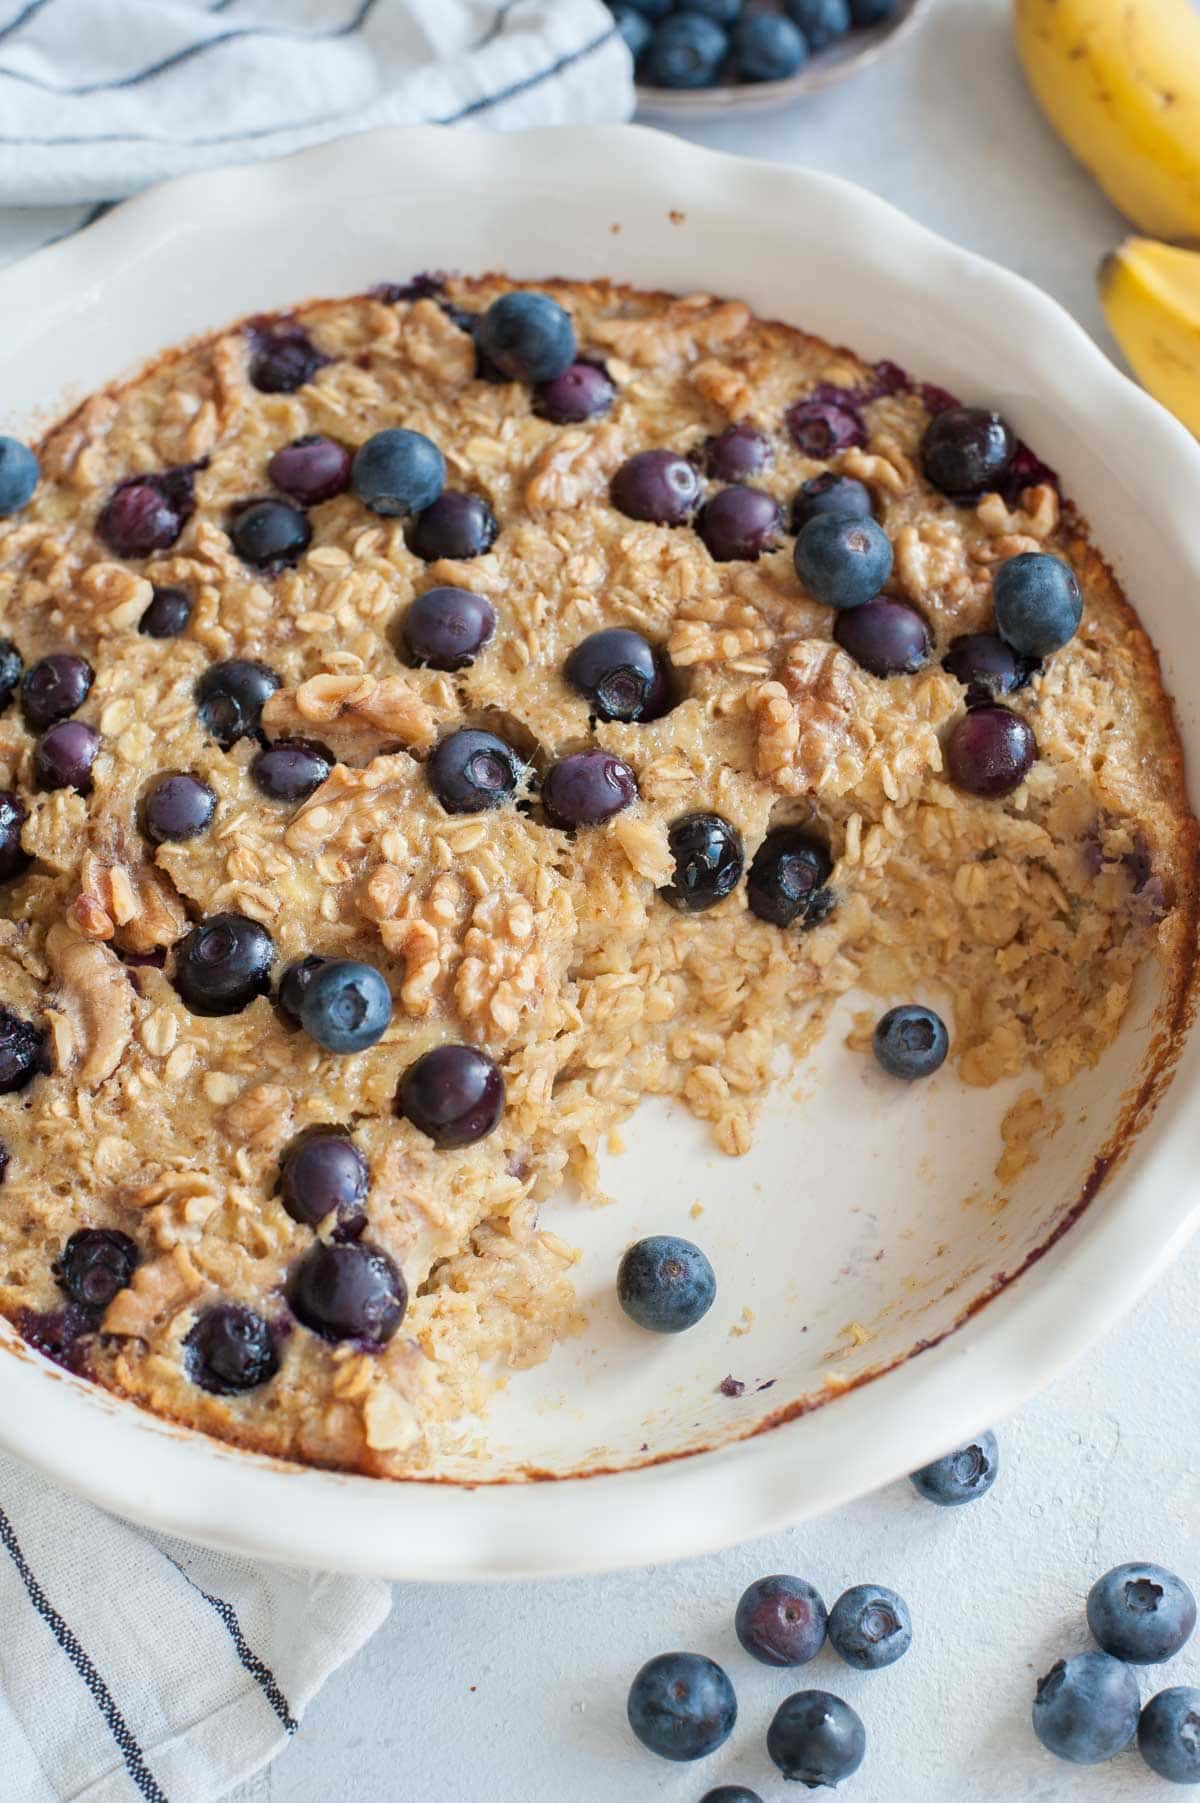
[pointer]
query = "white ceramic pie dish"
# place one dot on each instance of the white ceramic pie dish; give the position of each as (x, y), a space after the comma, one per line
(861, 1203)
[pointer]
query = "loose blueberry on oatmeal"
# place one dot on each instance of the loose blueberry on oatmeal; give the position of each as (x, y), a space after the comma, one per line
(739, 523)
(991, 751)
(830, 493)
(966, 450)
(291, 769)
(147, 513)
(529, 337)
(657, 485)
(398, 472)
(270, 535)
(472, 771)
(14, 859)
(582, 391)
(842, 560)
(453, 1094)
(179, 806)
(53, 688)
(223, 963)
(587, 788)
(167, 614)
(886, 637)
(311, 470)
(788, 878)
(349, 1292)
(22, 1052)
(987, 667)
(709, 861)
(620, 674)
(230, 698)
(64, 755)
(325, 1175)
(455, 525)
(447, 628)
(96, 1262)
(737, 453)
(230, 1349)
(346, 1006)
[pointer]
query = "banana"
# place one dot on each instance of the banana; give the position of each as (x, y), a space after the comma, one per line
(1151, 297)
(1119, 80)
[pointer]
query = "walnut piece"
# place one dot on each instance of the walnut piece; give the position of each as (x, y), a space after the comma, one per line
(725, 387)
(357, 715)
(353, 808)
(575, 466)
(94, 995)
(139, 899)
(689, 328)
(156, 1291)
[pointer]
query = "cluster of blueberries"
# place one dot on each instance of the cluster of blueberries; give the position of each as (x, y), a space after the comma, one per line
(682, 1706)
(698, 43)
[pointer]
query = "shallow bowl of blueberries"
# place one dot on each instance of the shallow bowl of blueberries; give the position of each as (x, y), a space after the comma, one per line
(863, 1294)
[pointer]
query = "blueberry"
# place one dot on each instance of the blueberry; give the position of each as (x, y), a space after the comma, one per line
(817, 1739)
(528, 337)
(870, 1627)
(723, 11)
(222, 964)
(348, 1292)
(471, 771)
(735, 453)
(659, 486)
(739, 524)
(447, 628)
(911, 1042)
(1169, 1735)
(1141, 1613)
(823, 428)
(708, 862)
(230, 698)
(821, 21)
(295, 980)
(731, 1793)
(586, 788)
(652, 9)
(53, 688)
(768, 47)
(5, 1159)
(962, 1476)
(147, 513)
(346, 1006)
(455, 525)
(584, 390)
(311, 470)
(18, 475)
(22, 1052)
(1037, 603)
(230, 1349)
(325, 1174)
(843, 562)
(665, 1284)
(453, 1094)
(888, 638)
(13, 857)
(681, 1706)
(990, 752)
(787, 878)
(59, 1334)
(781, 1621)
(1086, 1708)
(987, 666)
(269, 535)
(966, 450)
(621, 674)
(398, 472)
(11, 666)
(283, 358)
(685, 52)
(291, 769)
(830, 493)
(95, 1263)
(634, 27)
(178, 807)
(64, 755)
(872, 12)
(167, 614)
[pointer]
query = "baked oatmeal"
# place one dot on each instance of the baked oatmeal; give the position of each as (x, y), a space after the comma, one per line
(408, 768)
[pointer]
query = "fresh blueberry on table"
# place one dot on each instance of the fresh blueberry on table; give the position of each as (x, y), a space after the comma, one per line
(325, 1174)
(95, 1263)
(686, 51)
(453, 1094)
(823, 428)
(781, 1620)
(830, 493)
(283, 358)
(709, 861)
(665, 1284)
(736, 453)
(843, 562)
(731, 1793)
(817, 1739)
(311, 469)
(230, 698)
(586, 788)
(987, 667)
(681, 1706)
(884, 637)
(53, 688)
(14, 859)
(990, 751)
(230, 1349)
(295, 980)
(584, 390)
(147, 513)
(270, 535)
(348, 1292)
(739, 524)
(179, 806)
(64, 755)
(966, 450)
(472, 771)
(528, 336)
(167, 613)
(18, 475)
(660, 486)
(1141, 1613)
(870, 1627)
(821, 21)
(346, 1006)
(455, 525)
(911, 1042)
(11, 666)
(788, 877)
(620, 674)
(222, 964)
(22, 1052)
(398, 472)
(291, 769)
(1086, 1708)
(768, 47)
(962, 1476)
(634, 27)
(1168, 1735)
(447, 628)
(1037, 603)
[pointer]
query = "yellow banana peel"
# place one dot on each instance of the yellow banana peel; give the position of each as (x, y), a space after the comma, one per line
(1151, 298)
